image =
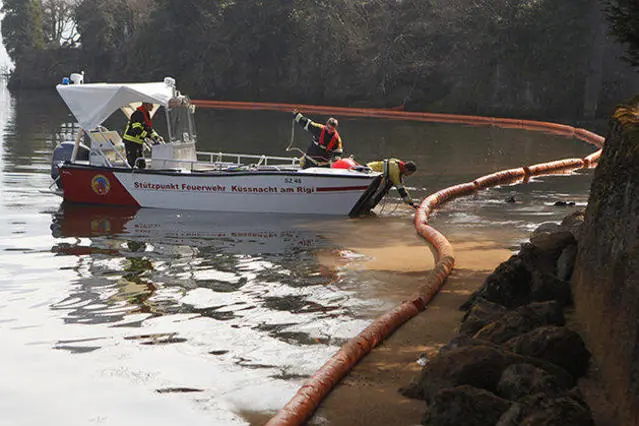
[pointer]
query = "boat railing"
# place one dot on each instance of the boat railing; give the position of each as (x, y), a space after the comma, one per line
(109, 147)
(222, 161)
(248, 159)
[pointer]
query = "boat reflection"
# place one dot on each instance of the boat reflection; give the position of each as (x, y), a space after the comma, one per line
(151, 261)
(244, 233)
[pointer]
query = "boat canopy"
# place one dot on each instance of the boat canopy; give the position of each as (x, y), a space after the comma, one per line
(93, 103)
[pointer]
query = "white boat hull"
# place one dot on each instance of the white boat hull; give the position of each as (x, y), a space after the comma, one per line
(311, 191)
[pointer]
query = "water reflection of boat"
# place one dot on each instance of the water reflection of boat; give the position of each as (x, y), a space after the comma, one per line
(180, 289)
(142, 260)
(242, 233)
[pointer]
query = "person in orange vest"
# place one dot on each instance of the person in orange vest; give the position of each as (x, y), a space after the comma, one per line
(137, 130)
(326, 145)
(395, 171)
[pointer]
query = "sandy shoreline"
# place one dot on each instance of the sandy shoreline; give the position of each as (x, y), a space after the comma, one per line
(368, 395)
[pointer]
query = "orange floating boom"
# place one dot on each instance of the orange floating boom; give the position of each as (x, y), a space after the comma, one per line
(309, 396)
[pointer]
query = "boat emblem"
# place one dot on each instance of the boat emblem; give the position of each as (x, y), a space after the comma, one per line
(100, 184)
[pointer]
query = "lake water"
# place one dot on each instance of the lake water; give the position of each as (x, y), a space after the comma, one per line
(114, 316)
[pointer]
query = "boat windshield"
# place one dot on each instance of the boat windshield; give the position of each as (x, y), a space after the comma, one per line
(181, 123)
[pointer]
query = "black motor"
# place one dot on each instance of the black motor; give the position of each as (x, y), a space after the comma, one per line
(62, 153)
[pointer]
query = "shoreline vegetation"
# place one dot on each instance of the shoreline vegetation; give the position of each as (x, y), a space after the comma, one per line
(499, 59)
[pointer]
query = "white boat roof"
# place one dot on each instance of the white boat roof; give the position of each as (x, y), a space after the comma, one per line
(93, 103)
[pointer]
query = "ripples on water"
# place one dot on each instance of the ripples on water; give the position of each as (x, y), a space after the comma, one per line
(121, 316)
(176, 302)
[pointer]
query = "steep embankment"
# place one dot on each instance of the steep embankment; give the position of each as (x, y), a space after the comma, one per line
(606, 276)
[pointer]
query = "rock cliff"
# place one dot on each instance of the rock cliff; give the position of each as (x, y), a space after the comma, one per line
(606, 274)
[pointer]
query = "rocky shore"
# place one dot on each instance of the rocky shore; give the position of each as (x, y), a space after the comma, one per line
(514, 361)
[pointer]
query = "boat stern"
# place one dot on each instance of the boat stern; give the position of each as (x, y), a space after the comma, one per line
(376, 190)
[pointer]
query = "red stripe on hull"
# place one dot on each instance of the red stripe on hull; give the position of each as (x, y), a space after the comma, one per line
(94, 187)
(341, 188)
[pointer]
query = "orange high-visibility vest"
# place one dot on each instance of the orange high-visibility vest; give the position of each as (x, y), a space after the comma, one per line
(333, 141)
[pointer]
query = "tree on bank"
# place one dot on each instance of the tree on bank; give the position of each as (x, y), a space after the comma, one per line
(108, 32)
(488, 57)
(624, 16)
(181, 38)
(58, 24)
(22, 28)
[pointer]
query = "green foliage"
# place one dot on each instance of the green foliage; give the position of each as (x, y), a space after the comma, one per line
(22, 27)
(624, 16)
(44, 68)
(544, 50)
(108, 30)
(532, 57)
(190, 28)
(256, 38)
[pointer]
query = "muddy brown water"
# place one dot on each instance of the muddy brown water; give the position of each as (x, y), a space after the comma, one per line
(123, 317)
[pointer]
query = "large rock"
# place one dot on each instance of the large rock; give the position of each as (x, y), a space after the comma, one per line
(546, 287)
(465, 406)
(573, 223)
(552, 238)
(532, 274)
(568, 409)
(519, 381)
(566, 262)
(463, 340)
(508, 285)
(479, 366)
(482, 313)
(606, 275)
(537, 258)
(559, 345)
(520, 321)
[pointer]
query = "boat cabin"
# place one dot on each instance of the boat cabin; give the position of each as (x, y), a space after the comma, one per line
(93, 103)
